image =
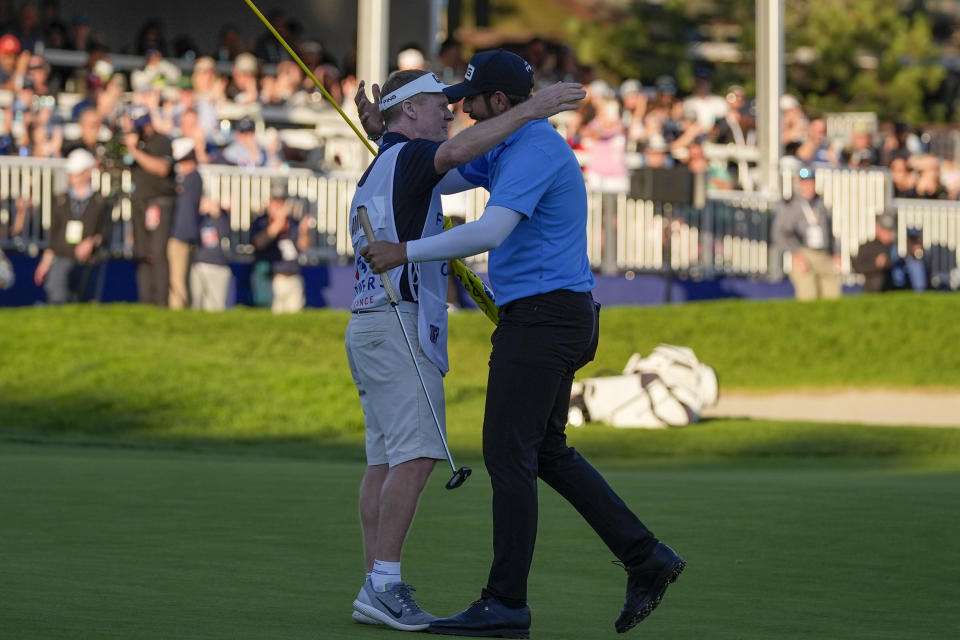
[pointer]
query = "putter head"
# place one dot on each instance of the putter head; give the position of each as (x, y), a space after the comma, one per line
(462, 474)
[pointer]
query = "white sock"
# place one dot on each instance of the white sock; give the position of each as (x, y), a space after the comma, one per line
(384, 573)
(366, 577)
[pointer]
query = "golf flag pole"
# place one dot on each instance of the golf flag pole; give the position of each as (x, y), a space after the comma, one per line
(310, 75)
(473, 285)
(461, 474)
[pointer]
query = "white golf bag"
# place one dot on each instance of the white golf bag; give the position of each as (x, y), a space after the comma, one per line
(669, 388)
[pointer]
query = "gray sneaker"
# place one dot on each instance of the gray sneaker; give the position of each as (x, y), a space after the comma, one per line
(394, 607)
(362, 619)
(359, 617)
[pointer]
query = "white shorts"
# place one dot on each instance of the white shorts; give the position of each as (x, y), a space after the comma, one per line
(399, 424)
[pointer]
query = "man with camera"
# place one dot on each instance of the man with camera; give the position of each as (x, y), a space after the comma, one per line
(78, 226)
(154, 191)
(278, 239)
(876, 258)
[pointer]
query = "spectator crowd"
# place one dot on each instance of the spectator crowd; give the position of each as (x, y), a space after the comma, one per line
(165, 119)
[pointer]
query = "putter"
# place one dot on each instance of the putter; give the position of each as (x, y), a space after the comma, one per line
(461, 474)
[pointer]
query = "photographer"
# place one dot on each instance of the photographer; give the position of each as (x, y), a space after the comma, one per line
(278, 239)
(154, 191)
(78, 225)
(876, 259)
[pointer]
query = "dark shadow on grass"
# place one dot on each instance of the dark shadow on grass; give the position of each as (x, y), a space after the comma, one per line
(752, 439)
(108, 422)
(294, 448)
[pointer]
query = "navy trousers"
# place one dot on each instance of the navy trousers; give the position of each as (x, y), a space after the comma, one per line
(538, 345)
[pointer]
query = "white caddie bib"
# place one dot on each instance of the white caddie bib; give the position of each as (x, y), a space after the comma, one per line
(428, 280)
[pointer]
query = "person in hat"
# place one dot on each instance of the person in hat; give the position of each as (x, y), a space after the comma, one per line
(410, 58)
(534, 227)
(401, 193)
(803, 226)
(708, 106)
(278, 239)
(875, 259)
(9, 52)
(154, 193)
(185, 230)
(634, 106)
(793, 124)
(68, 269)
(210, 274)
(862, 153)
(208, 92)
(243, 88)
(81, 36)
(245, 151)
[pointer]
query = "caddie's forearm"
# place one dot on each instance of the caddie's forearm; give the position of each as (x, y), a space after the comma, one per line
(480, 138)
(469, 239)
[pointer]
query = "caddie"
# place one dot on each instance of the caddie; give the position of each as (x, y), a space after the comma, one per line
(400, 190)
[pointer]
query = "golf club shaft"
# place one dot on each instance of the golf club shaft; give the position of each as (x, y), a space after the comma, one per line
(395, 303)
(310, 75)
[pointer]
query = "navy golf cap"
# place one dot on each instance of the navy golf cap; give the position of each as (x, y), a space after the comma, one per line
(496, 70)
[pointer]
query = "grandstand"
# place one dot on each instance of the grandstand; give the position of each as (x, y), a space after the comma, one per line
(712, 223)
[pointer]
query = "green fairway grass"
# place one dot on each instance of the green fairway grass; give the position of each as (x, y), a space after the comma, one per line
(118, 543)
(192, 476)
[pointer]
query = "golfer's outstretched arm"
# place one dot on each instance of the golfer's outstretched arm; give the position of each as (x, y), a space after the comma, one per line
(484, 136)
(469, 239)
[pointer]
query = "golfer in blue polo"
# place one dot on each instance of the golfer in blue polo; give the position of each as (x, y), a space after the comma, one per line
(534, 227)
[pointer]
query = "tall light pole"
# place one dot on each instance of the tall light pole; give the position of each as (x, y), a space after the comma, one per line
(770, 84)
(373, 35)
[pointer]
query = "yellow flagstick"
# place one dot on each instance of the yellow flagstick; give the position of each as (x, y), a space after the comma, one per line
(309, 73)
(474, 285)
(470, 281)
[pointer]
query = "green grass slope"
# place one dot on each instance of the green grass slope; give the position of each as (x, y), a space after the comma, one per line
(132, 373)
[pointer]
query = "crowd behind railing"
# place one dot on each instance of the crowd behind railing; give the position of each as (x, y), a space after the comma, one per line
(53, 103)
(248, 106)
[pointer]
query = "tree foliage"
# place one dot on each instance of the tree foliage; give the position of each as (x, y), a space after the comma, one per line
(867, 54)
(870, 57)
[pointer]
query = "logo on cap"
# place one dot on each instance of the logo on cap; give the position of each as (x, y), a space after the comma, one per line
(469, 74)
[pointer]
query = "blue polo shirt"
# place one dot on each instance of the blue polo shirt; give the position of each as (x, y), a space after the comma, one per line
(535, 173)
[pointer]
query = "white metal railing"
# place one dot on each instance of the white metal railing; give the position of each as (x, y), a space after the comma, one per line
(730, 235)
(939, 222)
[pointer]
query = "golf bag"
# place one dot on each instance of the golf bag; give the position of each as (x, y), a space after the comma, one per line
(669, 388)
